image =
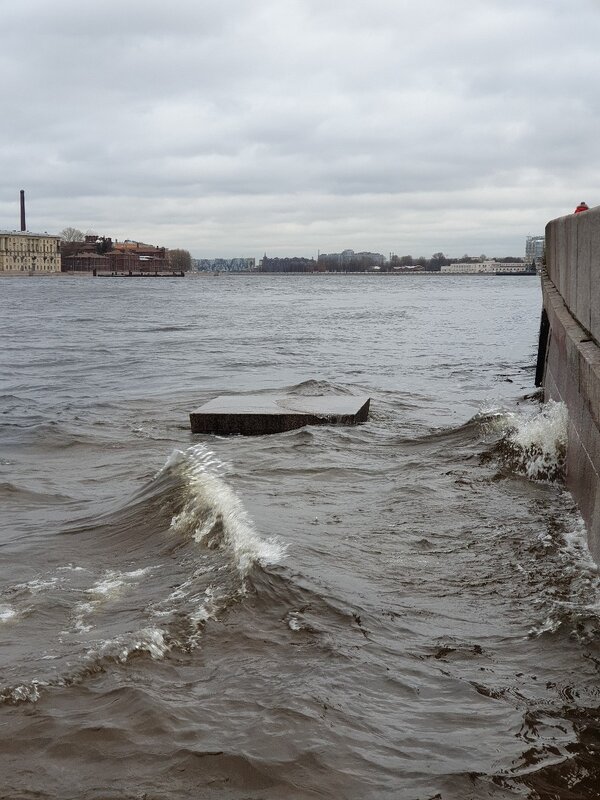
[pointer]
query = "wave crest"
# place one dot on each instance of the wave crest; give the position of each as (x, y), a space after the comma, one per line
(535, 445)
(213, 515)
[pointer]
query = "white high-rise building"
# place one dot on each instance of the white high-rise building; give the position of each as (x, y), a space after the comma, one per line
(534, 249)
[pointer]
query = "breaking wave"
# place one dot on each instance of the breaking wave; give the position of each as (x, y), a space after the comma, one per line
(571, 602)
(213, 514)
(177, 553)
(535, 444)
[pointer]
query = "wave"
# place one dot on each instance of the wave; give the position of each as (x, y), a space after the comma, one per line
(468, 431)
(312, 387)
(571, 600)
(212, 513)
(142, 577)
(10, 491)
(166, 328)
(46, 435)
(151, 641)
(534, 444)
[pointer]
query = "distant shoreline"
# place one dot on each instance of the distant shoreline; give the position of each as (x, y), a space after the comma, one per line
(194, 275)
(425, 273)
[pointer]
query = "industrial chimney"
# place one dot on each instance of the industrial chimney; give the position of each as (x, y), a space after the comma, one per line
(23, 225)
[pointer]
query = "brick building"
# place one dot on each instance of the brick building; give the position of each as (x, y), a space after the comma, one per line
(102, 256)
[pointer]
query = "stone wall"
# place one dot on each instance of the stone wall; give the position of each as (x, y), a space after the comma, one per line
(571, 354)
(573, 265)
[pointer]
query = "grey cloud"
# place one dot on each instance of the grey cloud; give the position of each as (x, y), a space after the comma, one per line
(229, 126)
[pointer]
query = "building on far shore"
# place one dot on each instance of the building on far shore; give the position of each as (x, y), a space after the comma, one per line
(224, 264)
(27, 253)
(534, 249)
(487, 268)
(99, 255)
(349, 261)
(293, 264)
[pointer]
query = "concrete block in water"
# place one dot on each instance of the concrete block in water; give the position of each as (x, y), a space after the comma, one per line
(254, 415)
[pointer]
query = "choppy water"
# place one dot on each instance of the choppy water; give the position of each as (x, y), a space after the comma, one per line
(405, 609)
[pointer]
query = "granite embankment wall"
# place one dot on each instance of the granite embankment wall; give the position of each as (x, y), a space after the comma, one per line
(569, 363)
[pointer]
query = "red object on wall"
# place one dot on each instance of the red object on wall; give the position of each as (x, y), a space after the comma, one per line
(581, 207)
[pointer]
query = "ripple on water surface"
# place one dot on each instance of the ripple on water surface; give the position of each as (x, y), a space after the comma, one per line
(405, 609)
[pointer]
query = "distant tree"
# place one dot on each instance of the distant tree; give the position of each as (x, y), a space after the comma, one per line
(72, 235)
(436, 262)
(103, 245)
(180, 260)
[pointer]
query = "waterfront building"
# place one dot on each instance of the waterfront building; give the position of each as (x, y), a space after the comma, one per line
(23, 252)
(131, 257)
(99, 255)
(224, 264)
(484, 268)
(534, 249)
(349, 261)
(473, 267)
(294, 264)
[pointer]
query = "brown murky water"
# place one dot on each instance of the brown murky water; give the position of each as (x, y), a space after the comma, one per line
(405, 609)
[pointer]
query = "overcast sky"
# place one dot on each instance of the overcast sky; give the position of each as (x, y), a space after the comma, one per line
(235, 127)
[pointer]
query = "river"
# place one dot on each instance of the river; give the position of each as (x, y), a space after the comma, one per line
(403, 609)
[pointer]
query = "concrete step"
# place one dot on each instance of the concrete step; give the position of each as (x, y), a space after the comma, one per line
(258, 414)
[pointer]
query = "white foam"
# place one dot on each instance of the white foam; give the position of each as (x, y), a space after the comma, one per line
(207, 607)
(26, 693)
(7, 613)
(578, 604)
(148, 640)
(214, 515)
(587, 586)
(114, 582)
(80, 612)
(151, 640)
(71, 568)
(38, 585)
(294, 621)
(538, 441)
(110, 587)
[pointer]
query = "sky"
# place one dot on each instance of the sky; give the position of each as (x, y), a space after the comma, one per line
(239, 127)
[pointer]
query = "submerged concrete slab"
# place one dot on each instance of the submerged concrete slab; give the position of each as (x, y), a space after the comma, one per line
(257, 414)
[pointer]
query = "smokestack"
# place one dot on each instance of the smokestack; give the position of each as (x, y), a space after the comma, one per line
(23, 225)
